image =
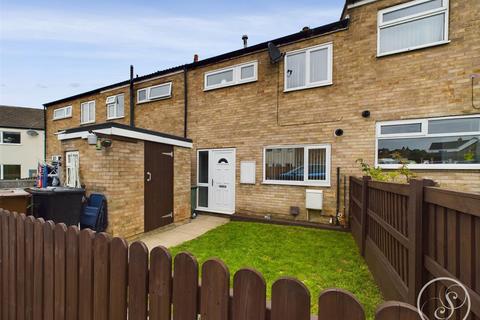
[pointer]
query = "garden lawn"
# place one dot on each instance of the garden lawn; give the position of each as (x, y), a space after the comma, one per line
(321, 259)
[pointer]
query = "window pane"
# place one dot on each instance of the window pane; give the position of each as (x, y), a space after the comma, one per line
(296, 70)
(111, 110)
(142, 95)
(203, 197)
(247, 72)
(59, 113)
(401, 128)
(11, 137)
(120, 105)
(454, 125)
(84, 110)
(91, 111)
(412, 34)
(161, 91)
(11, 171)
(284, 164)
(203, 167)
(317, 164)
(319, 65)
(220, 78)
(419, 8)
(434, 150)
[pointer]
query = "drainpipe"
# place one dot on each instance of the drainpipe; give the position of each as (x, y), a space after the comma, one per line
(185, 101)
(44, 133)
(132, 101)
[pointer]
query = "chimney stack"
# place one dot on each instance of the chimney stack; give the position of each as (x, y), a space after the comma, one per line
(195, 57)
(245, 40)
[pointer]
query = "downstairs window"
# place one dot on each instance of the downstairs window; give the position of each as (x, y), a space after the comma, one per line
(297, 165)
(435, 143)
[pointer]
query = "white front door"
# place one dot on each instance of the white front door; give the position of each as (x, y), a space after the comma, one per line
(216, 180)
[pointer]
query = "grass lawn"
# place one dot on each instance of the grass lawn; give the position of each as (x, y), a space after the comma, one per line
(321, 259)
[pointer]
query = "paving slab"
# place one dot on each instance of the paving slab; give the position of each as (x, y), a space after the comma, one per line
(174, 236)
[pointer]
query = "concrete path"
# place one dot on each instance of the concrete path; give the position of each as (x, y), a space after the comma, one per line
(176, 235)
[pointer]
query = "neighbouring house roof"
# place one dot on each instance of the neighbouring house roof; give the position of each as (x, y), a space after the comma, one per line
(122, 130)
(21, 118)
(328, 28)
(452, 146)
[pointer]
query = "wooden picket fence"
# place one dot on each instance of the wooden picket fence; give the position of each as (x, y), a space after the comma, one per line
(412, 233)
(49, 271)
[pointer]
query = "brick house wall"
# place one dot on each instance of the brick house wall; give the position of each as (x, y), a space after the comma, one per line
(431, 82)
(118, 172)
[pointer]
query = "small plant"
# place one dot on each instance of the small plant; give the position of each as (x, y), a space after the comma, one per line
(469, 155)
(379, 175)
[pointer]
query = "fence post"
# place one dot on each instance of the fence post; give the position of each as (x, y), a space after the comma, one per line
(415, 218)
(365, 181)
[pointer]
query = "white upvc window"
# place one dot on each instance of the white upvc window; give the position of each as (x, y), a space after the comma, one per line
(62, 113)
(297, 165)
(115, 107)
(309, 67)
(433, 143)
(238, 74)
(412, 25)
(10, 137)
(72, 169)
(161, 91)
(87, 112)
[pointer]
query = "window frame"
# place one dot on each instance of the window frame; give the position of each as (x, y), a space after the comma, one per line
(69, 165)
(306, 182)
(423, 134)
(445, 9)
(68, 114)
(8, 164)
(308, 83)
(116, 106)
(148, 89)
(10, 144)
(236, 77)
(94, 111)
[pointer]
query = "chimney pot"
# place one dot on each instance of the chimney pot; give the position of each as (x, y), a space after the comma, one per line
(245, 40)
(195, 57)
(306, 28)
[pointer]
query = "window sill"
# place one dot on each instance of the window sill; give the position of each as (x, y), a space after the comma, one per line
(323, 84)
(115, 118)
(440, 43)
(85, 123)
(10, 144)
(298, 183)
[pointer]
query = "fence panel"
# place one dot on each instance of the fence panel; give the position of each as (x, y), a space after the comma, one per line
(160, 286)
(355, 211)
(84, 275)
(395, 311)
(249, 295)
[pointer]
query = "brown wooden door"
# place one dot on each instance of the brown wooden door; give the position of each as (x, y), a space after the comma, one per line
(158, 185)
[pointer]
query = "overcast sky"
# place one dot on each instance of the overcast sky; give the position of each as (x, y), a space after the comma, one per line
(54, 49)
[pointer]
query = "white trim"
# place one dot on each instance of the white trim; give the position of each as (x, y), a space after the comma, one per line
(360, 3)
(89, 115)
(424, 134)
(307, 51)
(306, 182)
(148, 98)
(128, 134)
(208, 185)
(236, 75)
(67, 114)
(433, 12)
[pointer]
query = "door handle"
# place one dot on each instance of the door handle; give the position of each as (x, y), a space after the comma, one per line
(212, 182)
(149, 176)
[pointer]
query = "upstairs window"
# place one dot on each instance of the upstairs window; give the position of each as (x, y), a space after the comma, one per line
(231, 76)
(436, 143)
(87, 112)
(297, 165)
(115, 107)
(9, 137)
(308, 68)
(62, 113)
(412, 25)
(161, 91)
